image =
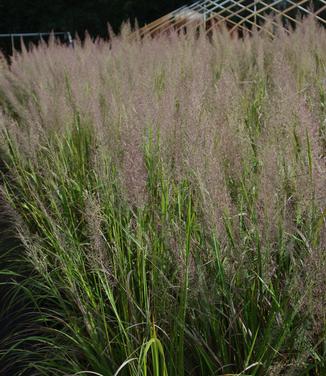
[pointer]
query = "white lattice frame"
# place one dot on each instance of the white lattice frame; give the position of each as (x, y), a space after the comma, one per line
(214, 9)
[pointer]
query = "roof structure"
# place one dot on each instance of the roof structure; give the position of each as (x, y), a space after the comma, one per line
(240, 15)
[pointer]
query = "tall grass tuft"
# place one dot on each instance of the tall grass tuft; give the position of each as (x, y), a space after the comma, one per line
(168, 196)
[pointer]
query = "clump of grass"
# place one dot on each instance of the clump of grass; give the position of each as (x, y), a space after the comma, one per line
(168, 195)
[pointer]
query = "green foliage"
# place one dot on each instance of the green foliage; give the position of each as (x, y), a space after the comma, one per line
(79, 16)
(164, 239)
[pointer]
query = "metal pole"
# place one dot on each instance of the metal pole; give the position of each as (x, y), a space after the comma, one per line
(12, 44)
(255, 10)
(70, 40)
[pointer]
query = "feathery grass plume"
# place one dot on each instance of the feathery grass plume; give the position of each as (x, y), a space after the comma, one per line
(169, 196)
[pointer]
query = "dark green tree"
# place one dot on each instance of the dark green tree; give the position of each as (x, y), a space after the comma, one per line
(79, 15)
